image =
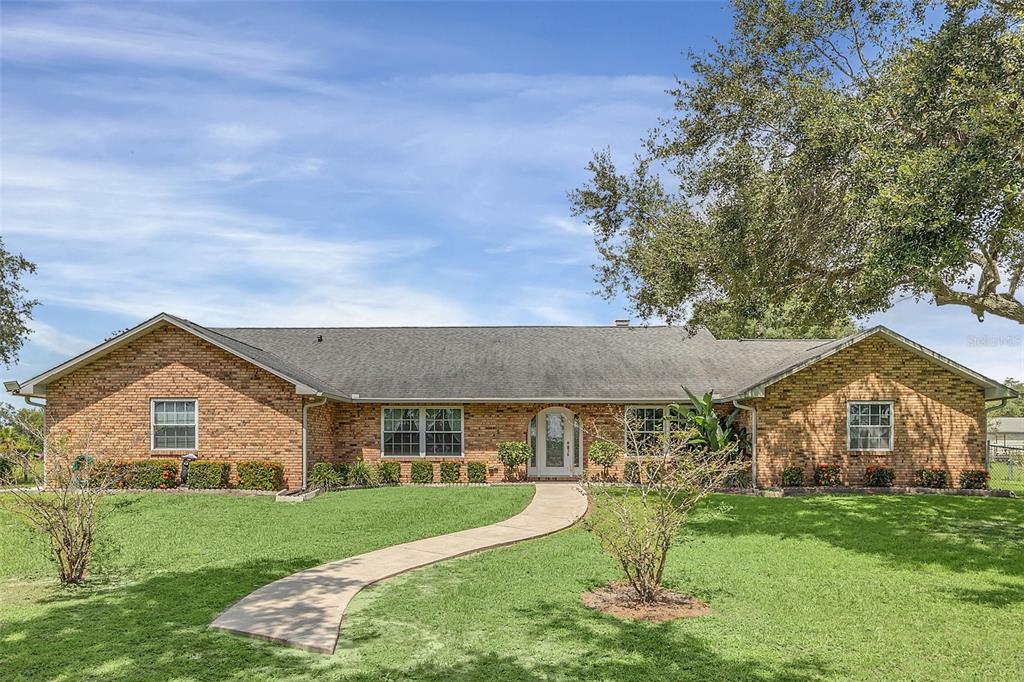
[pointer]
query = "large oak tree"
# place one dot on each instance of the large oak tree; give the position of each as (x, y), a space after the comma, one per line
(831, 156)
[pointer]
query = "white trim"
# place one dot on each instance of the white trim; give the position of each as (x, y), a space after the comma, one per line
(639, 406)
(152, 424)
(423, 429)
(892, 424)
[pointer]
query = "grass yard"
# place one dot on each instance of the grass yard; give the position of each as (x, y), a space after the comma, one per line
(869, 587)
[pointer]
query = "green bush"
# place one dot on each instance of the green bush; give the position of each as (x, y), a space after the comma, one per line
(829, 475)
(605, 454)
(631, 471)
(341, 469)
(362, 474)
(879, 477)
(204, 473)
(513, 454)
(390, 473)
(450, 472)
(476, 472)
(741, 479)
(115, 472)
(974, 479)
(260, 475)
(151, 474)
(931, 478)
(6, 469)
(793, 477)
(422, 472)
(325, 476)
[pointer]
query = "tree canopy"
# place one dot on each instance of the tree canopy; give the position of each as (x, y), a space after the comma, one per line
(828, 158)
(15, 306)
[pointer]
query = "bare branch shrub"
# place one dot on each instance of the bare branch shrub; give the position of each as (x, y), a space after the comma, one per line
(636, 524)
(61, 503)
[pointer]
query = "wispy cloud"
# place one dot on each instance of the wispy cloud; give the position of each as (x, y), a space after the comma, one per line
(55, 340)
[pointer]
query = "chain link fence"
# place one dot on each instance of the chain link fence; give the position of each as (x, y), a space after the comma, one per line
(1005, 464)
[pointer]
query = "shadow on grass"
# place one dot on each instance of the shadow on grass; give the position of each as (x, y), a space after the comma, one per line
(154, 629)
(963, 534)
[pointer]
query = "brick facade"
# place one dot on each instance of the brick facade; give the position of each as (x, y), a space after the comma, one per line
(938, 417)
(245, 412)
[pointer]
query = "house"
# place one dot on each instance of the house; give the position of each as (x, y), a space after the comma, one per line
(1006, 431)
(170, 387)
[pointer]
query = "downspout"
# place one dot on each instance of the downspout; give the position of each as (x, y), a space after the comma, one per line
(753, 440)
(305, 439)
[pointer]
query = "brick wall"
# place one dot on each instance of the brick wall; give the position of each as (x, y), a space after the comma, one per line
(244, 412)
(938, 416)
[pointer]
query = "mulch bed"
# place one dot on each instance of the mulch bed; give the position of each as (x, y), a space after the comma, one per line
(619, 600)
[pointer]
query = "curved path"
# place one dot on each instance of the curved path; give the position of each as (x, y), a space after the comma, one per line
(304, 610)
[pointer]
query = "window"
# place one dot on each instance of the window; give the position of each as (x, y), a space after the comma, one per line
(869, 425)
(647, 425)
(173, 424)
(419, 431)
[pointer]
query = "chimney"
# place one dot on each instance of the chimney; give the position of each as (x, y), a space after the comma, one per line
(621, 323)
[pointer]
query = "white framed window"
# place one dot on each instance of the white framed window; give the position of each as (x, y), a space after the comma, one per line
(435, 431)
(869, 425)
(647, 423)
(173, 424)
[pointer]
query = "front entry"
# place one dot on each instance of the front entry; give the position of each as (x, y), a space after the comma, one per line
(553, 437)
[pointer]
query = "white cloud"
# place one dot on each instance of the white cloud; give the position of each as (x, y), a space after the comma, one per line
(242, 134)
(55, 340)
(568, 225)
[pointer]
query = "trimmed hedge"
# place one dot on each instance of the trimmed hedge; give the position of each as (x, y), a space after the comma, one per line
(476, 472)
(362, 474)
(631, 471)
(204, 473)
(260, 475)
(974, 479)
(932, 478)
(830, 475)
(450, 472)
(325, 476)
(605, 454)
(113, 472)
(879, 477)
(390, 473)
(793, 477)
(422, 472)
(150, 474)
(513, 454)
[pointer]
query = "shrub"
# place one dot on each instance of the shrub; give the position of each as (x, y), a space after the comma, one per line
(113, 473)
(390, 473)
(6, 470)
(828, 475)
(631, 471)
(879, 477)
(740, 479)
(151, 474)
(362, 474)
(325, 476)
(605, 454)
(976, 479)
(513, 454)
(793, 477)
(203, 473)
(341, 469)
(450, 472)
(422, 472)
(260, 475)
(932, 478)
(476, 472)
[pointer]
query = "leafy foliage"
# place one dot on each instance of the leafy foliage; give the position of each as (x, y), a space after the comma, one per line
(15, 307)
(151, 474)
(325, 477)
(513, 454)
(605, 454)
(390, 473)
(829, 158)
(793, 477)
(1015, 406)
(828, 475)
(422, 472)
(932, 478)
(450, 472)
(260, 475)
(476, 472)
(204, 473)
(363, 474)
(976, 479)
(879, 477)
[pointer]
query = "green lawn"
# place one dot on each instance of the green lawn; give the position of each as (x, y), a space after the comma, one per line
(870, 587)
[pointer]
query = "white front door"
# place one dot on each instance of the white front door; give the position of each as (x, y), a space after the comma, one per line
(555, 443)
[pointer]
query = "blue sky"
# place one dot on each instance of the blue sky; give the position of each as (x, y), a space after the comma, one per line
(338, 163)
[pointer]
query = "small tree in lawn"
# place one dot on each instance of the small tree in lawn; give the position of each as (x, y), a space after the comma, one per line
(513, 454)
(66, 509)
(605, 454)
(637, 524)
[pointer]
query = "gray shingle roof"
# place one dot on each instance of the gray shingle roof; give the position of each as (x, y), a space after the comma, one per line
(521, 363)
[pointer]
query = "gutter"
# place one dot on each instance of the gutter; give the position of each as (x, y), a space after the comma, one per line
(753, 440)
(305, 439)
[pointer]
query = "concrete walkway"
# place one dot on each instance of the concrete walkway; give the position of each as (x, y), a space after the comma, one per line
(305, 609)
